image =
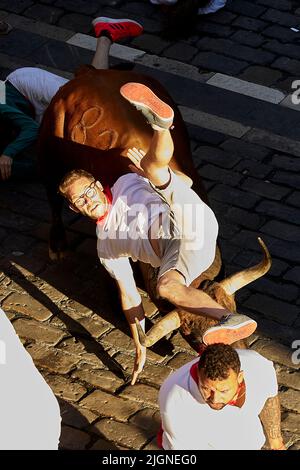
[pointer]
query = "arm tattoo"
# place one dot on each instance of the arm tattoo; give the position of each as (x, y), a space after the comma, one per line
(271, 418)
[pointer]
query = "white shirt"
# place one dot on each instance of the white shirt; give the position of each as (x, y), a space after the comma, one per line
(190, 424)
(135, 206)
(29, 412)
(37, 85)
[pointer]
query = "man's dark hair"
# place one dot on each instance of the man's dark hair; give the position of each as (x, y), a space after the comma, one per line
(70, 178)
(217, 360)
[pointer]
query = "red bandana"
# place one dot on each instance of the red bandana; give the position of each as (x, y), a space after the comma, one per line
(108, 195)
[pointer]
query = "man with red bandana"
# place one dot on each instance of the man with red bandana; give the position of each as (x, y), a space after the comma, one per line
(221, 401)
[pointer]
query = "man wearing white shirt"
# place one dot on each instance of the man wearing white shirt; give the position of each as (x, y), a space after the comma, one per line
(29, 412)
(221, 401)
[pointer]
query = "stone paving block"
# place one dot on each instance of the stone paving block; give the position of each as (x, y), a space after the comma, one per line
(38, 27)
(246, 88)
(150, 43)
(33, 330)
(248, 38)
(270, 329)
(101, 444)
(214, 155)
(253, 168)
(154, 375)
(287, 50)
(147, 419)
(282, 18)
(285, 162)
(221, 175)
(261, 75)
(288, 179)
(74, 416)
(107, 405)
(238, 51)
(289, 399)
(152, 445)
(87, 351)
(236, 197)
(181, 359)
(26, 305)
(65, 388)
(52, 359)
(12, 45)
(275, 352)
(251, 24)
(79, 6)
(282, 230)
(288, 103)
(278, 210)
(214, 29)
(73, 439)
(214, 123)
(284, 5)
(62, 56)
(290, 66)
(245, 149)
(244, 218)
(103, 379)
(281, 33)
(224, 17)
(124, 434)
(181, 51)
(142, 394)
(293, 275)
(265, 189)
(17, 6)
(219, 63)
(48, 14)
(243, 7)
(273, 141)
(285, 291)
(290, 379)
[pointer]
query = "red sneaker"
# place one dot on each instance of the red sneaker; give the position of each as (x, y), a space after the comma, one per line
(117, 29)
(154, 109)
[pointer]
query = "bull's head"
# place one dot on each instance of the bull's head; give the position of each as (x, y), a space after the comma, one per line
(222, 292)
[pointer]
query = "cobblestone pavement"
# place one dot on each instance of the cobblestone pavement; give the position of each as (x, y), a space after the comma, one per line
(246, 145)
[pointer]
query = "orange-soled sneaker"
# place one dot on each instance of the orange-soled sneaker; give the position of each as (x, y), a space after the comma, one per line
(116, 29)
(230, 329)
(157, 113)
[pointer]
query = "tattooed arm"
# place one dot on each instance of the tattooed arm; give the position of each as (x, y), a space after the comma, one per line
(270, 417)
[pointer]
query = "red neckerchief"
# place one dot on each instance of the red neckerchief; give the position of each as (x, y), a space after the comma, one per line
(194, 375)
(109, 197)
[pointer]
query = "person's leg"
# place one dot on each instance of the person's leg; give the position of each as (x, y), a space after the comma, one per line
(100, 59)
(109, 30)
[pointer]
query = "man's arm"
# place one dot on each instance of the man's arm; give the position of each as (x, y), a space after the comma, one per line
(270, 417)
(131, 301)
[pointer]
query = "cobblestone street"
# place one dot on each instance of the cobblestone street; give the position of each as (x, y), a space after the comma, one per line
(232, 80)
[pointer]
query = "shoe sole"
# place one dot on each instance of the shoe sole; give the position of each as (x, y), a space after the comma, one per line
(104, 19)
(229, 335)
(144, 99)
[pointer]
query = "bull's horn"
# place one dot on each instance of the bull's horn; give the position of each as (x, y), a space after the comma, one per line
(238, 280)
(168, 323)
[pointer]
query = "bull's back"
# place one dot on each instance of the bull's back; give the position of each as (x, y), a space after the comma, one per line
(90, 125)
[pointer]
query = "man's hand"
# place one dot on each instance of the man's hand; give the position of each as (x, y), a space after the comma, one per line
(5, 167)
(136, 157)
(140, 358)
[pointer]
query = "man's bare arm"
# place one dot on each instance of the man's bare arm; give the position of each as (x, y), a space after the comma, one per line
(270, 417)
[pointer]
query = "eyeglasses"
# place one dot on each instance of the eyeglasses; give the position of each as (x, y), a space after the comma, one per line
(90, 192)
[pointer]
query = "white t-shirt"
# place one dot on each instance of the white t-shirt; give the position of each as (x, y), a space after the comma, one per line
(190, 424)
(135, 206)
(37, 85)
(29, 412)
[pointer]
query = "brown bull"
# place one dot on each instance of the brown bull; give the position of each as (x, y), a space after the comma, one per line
(90, 126)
